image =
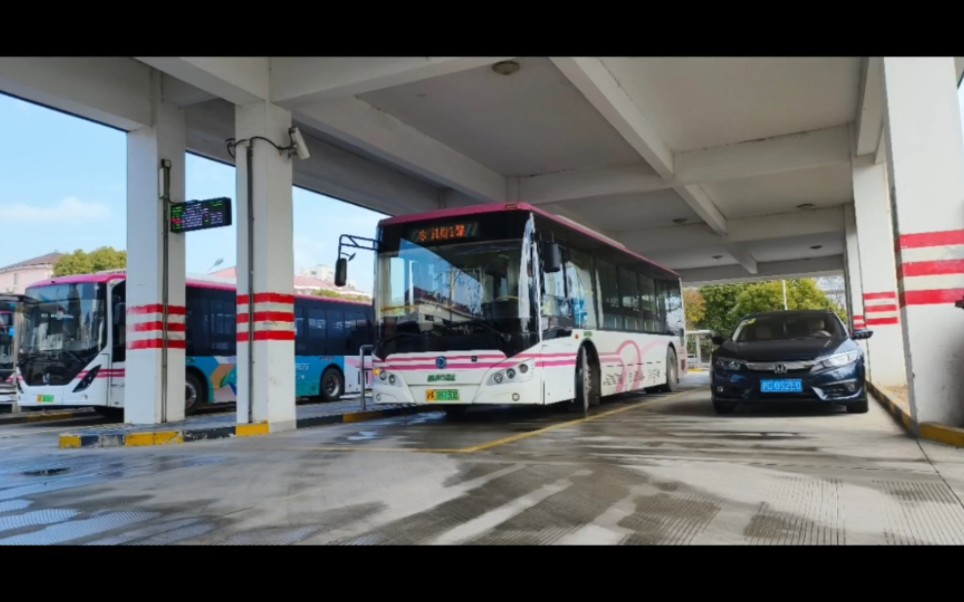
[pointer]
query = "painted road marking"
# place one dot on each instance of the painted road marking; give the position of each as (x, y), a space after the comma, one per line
(485, 446)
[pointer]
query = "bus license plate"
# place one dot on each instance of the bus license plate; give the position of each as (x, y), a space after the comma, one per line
(442, 395)
(781, 386)
(45, 399)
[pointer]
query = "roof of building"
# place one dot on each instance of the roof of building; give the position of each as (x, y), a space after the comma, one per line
(44, 260)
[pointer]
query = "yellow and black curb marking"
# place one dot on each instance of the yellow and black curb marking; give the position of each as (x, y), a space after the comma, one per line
(928, 430)
(139, 439)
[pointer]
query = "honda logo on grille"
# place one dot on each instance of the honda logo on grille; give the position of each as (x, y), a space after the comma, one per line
(780, 368)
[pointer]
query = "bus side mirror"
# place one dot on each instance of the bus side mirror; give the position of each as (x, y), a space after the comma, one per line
(341, 271)
(119, 310)
(552, 257)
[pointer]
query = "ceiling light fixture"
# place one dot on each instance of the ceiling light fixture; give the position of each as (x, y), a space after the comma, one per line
(815, 247)
(805, 206)
(679, 220)
(717, 257)
(506, 67)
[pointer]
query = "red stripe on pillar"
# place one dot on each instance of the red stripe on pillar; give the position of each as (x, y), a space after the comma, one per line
(931, 268)
(158, 326)
(267, 298)
(879, 308)
(157, 309)
(155, 344)
(935, 297)
(881, 321)
(873, 296)
(932, 239)
(268, 316)
(268, 335)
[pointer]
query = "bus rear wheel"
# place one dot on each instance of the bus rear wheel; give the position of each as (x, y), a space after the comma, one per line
(332, 385)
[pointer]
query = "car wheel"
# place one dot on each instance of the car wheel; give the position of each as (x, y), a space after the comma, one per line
(858, 408)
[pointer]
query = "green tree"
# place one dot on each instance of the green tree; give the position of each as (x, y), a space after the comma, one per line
(725, 304)
(337, 295)
(694, 307)
(768, 296)
(719, 301)
(81, 262)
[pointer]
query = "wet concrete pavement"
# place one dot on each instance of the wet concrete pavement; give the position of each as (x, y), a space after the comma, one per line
(655, 469)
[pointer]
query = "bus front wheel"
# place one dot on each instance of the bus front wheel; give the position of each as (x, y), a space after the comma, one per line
(585, 384)
(193, 391)
(672, 372)
(332, 384)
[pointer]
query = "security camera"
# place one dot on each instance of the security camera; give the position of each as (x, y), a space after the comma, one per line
(299, 143)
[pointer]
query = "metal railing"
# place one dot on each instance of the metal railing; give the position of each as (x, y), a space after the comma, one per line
(363, 372)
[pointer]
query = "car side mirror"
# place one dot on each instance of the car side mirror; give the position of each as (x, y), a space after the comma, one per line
(862, 334)
(717, 339)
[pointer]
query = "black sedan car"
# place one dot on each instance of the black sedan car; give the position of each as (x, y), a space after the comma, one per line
(786, 356)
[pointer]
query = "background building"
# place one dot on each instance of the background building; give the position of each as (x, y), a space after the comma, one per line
(15, 278)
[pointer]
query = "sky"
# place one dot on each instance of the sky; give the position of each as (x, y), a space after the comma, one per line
(65, 185)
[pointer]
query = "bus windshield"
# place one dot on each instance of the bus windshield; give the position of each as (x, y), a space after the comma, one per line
(449, 294)
(63, 329)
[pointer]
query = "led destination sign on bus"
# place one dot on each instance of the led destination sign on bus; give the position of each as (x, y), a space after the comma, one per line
(444, 233)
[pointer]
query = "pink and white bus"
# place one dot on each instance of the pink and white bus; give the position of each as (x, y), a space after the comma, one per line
(509, 304)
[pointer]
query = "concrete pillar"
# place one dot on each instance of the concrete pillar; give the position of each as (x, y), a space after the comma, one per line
(855, 298)
(270, 397)
(144, 371)
(925, 154)
(878, 273)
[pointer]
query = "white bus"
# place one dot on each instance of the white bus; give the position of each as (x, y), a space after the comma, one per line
(508, 304)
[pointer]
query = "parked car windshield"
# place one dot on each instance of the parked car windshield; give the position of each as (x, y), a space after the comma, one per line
(780, 327)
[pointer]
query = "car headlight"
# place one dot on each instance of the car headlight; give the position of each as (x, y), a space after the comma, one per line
(518, 373)
(841, 359)
(728, 364)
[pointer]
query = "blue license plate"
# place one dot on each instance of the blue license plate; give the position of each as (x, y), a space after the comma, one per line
(781, 386)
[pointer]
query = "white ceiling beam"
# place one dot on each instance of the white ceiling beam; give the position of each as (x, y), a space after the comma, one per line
(331, 171)
(714, 164)
(881, 155)
(181, 93)
(115, 91)
(591, 77)
(742, 230)
(803, 150)
(240, 80)
(297, 81)
(703, 205)
(586, 183)
(375, 132)
(870, 107)
(743, 257)
(767, 270)
(787, 225)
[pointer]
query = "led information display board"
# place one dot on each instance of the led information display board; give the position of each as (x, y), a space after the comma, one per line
(200, 215)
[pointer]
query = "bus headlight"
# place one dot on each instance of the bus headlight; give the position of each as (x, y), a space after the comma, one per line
(518, 373)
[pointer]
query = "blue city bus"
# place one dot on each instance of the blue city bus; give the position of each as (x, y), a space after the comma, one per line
(74, 344)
